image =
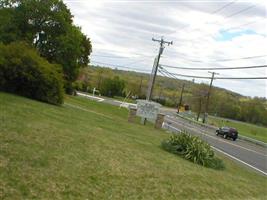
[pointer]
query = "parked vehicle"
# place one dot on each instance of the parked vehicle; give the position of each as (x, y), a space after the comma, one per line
(227, 132)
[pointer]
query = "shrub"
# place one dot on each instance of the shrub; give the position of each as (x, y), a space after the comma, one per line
(194, 149)
(112, 87)
(24, 72)
(81, 86)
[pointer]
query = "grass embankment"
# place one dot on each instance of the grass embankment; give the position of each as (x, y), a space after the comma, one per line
(246, 129)
(88, 150)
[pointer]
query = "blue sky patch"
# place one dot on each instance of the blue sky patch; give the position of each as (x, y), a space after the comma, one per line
(227, 36)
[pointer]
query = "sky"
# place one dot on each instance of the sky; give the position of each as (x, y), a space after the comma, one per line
(211, 33)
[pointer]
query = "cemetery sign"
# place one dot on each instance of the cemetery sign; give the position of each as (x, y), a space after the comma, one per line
(147, 109)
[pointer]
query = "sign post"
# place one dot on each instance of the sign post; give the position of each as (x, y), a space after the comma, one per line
(147, 109)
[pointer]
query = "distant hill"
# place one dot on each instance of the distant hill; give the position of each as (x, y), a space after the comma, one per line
(223, 102)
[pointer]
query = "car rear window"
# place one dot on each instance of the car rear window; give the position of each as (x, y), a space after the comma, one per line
(233, 130)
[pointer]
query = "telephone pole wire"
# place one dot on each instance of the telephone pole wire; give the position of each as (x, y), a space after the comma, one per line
(208, 97)
(155, 66)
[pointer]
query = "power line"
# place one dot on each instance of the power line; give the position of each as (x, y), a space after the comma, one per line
(182, 75)
(221, 8)
(120, 66)
(243, 58)
(222, 31)
(109, 56)
(134, 62)
(190, 76)
(231, 15)
(213, 68)
(223, 60)
(207, 77)
(213, 12)
(241, 11)
(166, 72)
(124, 57)
(240, 78)
(228, 29)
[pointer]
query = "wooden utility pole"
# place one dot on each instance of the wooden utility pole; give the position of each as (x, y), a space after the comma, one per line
(199, 108)
(181, 99)
(208, 97)
(155, 66)
(140, 86)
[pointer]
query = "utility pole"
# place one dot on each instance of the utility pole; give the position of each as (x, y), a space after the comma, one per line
(208, 97)
(181, 99)
(155, 66)
(140, 86)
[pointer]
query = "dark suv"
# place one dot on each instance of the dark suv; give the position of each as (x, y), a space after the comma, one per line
(227, 132)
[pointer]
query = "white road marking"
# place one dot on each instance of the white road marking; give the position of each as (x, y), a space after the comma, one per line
(91, 97)
(240, 160)
(237, 159)
(167, 125)
(125, 104)
(216, 138)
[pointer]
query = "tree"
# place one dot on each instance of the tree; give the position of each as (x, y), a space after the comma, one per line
(112, 87)
(199, 98)
(24, 72)
(48, 26)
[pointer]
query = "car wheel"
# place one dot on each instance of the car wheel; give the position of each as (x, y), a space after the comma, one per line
(225, 136)
(217, 133)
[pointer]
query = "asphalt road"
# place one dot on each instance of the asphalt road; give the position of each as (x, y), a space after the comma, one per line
(249, 154)
(246, 153)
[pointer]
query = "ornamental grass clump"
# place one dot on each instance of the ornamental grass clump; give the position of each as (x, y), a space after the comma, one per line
(194, 149)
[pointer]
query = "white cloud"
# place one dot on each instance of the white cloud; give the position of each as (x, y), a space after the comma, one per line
(126, 27)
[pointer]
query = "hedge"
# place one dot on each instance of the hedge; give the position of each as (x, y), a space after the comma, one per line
(24, 72)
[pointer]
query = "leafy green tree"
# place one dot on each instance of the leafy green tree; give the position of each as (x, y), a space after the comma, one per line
(48, 26)
(112, 87)
(198, 99)
(24, 72)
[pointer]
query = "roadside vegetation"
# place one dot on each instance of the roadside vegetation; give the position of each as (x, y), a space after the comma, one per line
(194, 149)
(87, 150)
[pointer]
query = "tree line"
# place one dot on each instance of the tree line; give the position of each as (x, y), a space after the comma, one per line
(223, 103)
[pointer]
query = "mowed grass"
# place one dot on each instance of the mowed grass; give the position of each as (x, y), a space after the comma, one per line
(246, 129)
(88, 150)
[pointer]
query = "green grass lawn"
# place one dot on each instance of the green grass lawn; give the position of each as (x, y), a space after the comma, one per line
(88, 150)
(246, 129)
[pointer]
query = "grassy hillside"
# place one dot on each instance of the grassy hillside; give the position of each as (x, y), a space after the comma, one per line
(88, 150)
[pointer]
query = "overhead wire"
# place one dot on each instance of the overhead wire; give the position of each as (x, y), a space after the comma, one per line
(214, 68)
(206, 77)
(120, 66)
(221, 8)
(241, 11)
(223, 60)
(211, 34)
(214, 12)
(229, 16)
